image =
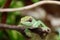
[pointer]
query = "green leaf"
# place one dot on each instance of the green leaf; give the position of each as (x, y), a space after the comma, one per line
(11, 18)
(2, 2)
(14, 35)
(16, 4)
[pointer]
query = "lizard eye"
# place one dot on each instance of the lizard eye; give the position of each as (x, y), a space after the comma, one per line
(30, 20)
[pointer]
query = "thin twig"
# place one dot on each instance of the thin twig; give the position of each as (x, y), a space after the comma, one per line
(21, 29)
(17, 28)
(13, 27)
(29, 7)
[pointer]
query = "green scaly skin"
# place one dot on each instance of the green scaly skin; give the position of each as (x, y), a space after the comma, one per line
(33, 24)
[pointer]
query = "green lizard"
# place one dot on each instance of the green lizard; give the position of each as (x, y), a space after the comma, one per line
(30, 22)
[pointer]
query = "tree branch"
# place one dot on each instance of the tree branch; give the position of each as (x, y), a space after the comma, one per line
(21, 30)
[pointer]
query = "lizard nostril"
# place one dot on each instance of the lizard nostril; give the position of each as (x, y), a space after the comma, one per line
(48, 30)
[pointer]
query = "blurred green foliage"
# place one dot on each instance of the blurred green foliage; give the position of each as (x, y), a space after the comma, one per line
(11, 19)
(14, 35)
(1, 5)
(34, 1)
(16, 4)
(2, 2)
